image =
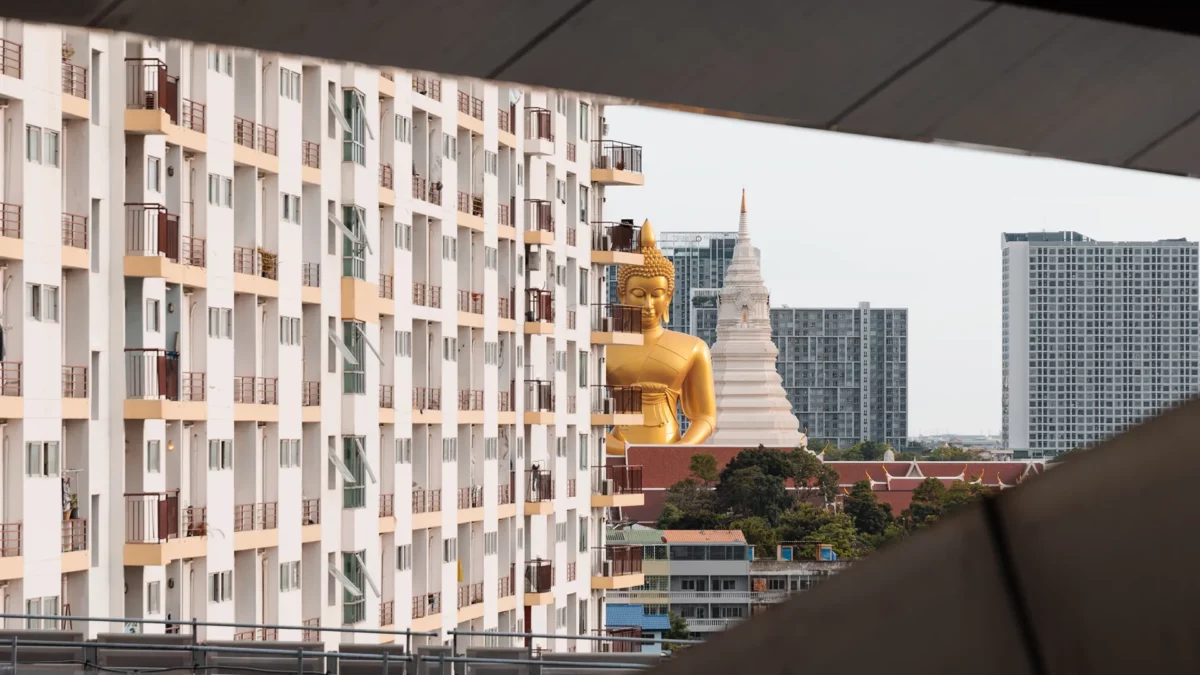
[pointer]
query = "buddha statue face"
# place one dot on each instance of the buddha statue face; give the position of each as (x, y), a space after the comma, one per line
(652, 295)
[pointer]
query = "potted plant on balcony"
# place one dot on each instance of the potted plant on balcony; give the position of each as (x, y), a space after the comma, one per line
(73, 513)
(67, 52)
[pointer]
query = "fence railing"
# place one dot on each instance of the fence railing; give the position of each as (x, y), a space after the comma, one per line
(74, 535)
(470, 497)
(310, 154)
(610, 399)
(10, 378)
(387, 505)
(618, 237)
(470, 594)
(387, 396)
(194, 387)
(426, 501)
(10, 220)
(255, 389)
(151, 374)
(74, 80)
(310, 393)
(150, 230)
(427, 398)
(387, 613)
(539, 305)
(431, 87)
(256, 516)
(386, 286)
(504, 120)
(74, 382)
(541, 215)
(310, 274)
(539, 576)
(504, 308)
(193, 115)
(386, 176)
(539, 485)
(310, 511)
(10, 58)
(616, 155)
(194, 251)
(539, 396)
(469, 301)
(539, 124)
(617, 479)
(614, 318)
(151, 517)
(470, 399)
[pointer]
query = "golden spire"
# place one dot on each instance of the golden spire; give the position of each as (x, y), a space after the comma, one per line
(743, 200)
(648, 238)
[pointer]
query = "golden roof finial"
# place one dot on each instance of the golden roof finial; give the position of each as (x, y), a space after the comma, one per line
(743, 200)
(648, 238)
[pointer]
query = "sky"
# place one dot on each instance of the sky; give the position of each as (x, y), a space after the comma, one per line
(841, 219)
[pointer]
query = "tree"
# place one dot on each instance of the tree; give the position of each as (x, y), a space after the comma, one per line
(759, 534)
(960, 495)
(808, 471)
(926, 504)
(703, 467)
(951, 453)
(690, 496)
(863, 507)
(677, 631)
(801, 522)
(750, 491)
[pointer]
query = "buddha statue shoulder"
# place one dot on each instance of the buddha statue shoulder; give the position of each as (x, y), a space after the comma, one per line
(673, 369)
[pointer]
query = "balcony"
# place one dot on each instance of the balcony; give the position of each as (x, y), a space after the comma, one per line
(617, 485)
(310, 519)
(194, 251)
(310, 162)
(616, 405)
(539, 492)
(260, 634)
(152, 530)
(11, 245)
(387, 287)
(255, 145)
(10, 58)
(75, 93)
(74, 392)
(386, 176)
(426, 191)
(427, 611)
(425, 295)
(616, 567)
(469, 105)
(507, 126)
(256, 272)
(12, 562)
(470, 211)
(431, 87)
(539, 582)
(193, 115)
(539, 131)
(572, 570)
(470, 309)
(506, 586)
(571, 487)
(572, 236)
(426, 508)
(154, 389)
(427, 405)
(75, 545)
(470, 595)
(539, 312)
(387, 505)
(504, 494)
(153, 245)
(255, 399)
(614, 324)
(539, 221)
(470, 497)
(310, 393)
(617, 244)
(616, 163)
(153, 105)
(504, 308)
(255, 526)
(387, 614)
(387, 397)
(539, 402)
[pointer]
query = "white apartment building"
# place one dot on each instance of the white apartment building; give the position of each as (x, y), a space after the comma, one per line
(1098, 336)
(281, 379)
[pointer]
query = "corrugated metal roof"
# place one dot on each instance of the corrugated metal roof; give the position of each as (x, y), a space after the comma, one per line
(704, 536)
(642, 536)
(635, 615)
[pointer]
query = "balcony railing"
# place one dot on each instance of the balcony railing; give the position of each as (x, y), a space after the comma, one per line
(541, 215)
(10, 58)
(310, 393)
(74, 382)
(243, 132)
(418, 187)
(539, 396)
(194, 386)
(311, 632)
(616, 561)
(194, 251)
(504, 492)
(571, 236)
(387, 505)
(387, 286)
(245, 260)
(470, 497)
(469, 301)
(504, 308)
(468, 203)
(539, 485)
(571, 487)
(619, 237)
(260, 516)
(431, 87)
(193, 115)
(310, 274)
(386, 176)
(470, 399)
(255, 136)
(387, 397)
(571, 570)
(571, 319)
(252, 389)
(613, 318)
(151, 374)
(10, 220)
(504, 587)
(504, 401)
(310, 154)
(426, 398)
(504, 120)
(539, 576)
(151, 87)
(426, 501)
(74, 80)
(539, 124)
(571, 400)
(504, 215)
(610, 399)
(616, 155)
(427, 604)
(387, 615)
(570, 152)
(310, 511)
(74, 535)
(151, 517)
(10, 378)
(470, 594)
(617, 479)
(195, 521)
(150, 230)
(260, 634)
(539, 305)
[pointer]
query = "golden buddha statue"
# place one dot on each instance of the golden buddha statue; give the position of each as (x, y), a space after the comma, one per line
(672, 368)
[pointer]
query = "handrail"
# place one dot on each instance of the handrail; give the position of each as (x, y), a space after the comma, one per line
(74, 80)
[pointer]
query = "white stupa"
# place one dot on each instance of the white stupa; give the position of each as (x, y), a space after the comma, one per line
(752, 408)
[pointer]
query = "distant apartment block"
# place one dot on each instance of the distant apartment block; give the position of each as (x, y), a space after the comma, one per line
(1098, 336)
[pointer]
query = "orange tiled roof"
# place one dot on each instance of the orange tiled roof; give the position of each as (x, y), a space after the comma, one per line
(703, 536)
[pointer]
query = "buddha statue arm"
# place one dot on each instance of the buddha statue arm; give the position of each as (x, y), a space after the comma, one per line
(698, 398)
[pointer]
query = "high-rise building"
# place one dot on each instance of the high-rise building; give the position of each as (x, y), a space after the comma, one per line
(845, 372)
(1097, 336)
(252, 377)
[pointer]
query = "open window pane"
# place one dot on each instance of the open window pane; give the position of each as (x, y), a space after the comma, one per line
(362, 456)
(341, 467)
(367, 342)
(337, 114)
(341, 347)
(362, 102)
(345, 582)
(362, 566)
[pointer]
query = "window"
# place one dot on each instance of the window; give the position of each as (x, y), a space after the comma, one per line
(585, 119)
(560, 103)
(220, 323)
(153, 323)
(560, 357)
(403, 451)
(560, 447)
(352, 577)
(583, 369)
(450, 550)
(47, 606)
(289, 453)
(291, 208)
(583, 286)
(491, 257)
(583, 204)
(560, 275)
(220, 454)
(404, 343)
(154, 597)
(403, 129)
(354, 137)
(562, 191)
(491, 353)
(220, 190)
(33, 144)
(491, 163)
(33, 301)
(450, 147)
(50, 304)
(154, 174)
(404, 557)
(354, 468)
(354, 241)
(289, 576)
(289, 84)
(289, 330)
(220, 586)
(520, 447)
(520, 174)
(583, 451)
(51, 148)
(449, 449)
(560, 532)
(403, 236)
(490, 448)
(583, 535)
(449, 248)
(227, 192)
(354, 376)
(491, 543)
(41, 458)
(220, 61)
(154, 456)
(450, 349)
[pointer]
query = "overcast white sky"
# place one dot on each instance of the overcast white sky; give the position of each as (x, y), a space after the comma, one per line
(842, 219)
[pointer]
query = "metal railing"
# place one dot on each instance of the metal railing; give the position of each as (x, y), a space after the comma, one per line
(539, 124)
(195, 521)
(572, 236)
(616, 155)
(387, 613)
(310, 393)
(539, 485)
(151, 87)
(420, 294)
(386, 286)
(431, 87)
(470, 497)
(427, 398)
(504, 492)
(617, 479)
(504, 120)
(74, 230)
(151, 517)
(243, 132)
(194, 386)
(150, 230)
(255, 389)
(571, 319)
(10, 220)
(151, 374)
(310, 154)
(611, 399)
(74, 382)
(11, 538)
(194, 251)
(504, 215)
(504, 401)
(74, 80)
(310, 274)
(572, 569)
(310, 511)
(505, 586)
(245, 260)
(614, 318)
(74, 535)
(541, 215)
(387, 505)
(418, 187)
(504, 308)
(470, 399)
(571, 152)
(193, 115)
(427, 604)
(539, 396)
(386, 175)
(619, 237)
(470, 594)
(387, 396)
(539, 305)
(616, 560)
(571, 487)
(539, 576)
(10, 378)
(469, 301)
(255, 516)
(10, 58)
(426, 501)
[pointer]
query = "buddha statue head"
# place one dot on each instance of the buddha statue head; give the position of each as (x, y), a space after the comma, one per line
(648, 286)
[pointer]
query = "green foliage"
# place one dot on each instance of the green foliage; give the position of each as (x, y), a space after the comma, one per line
(932, 500)
(759, 533)
(677, 631)
(863, 507)
(950, 453)
(863, 451)
(703, 467)
(690, 506)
